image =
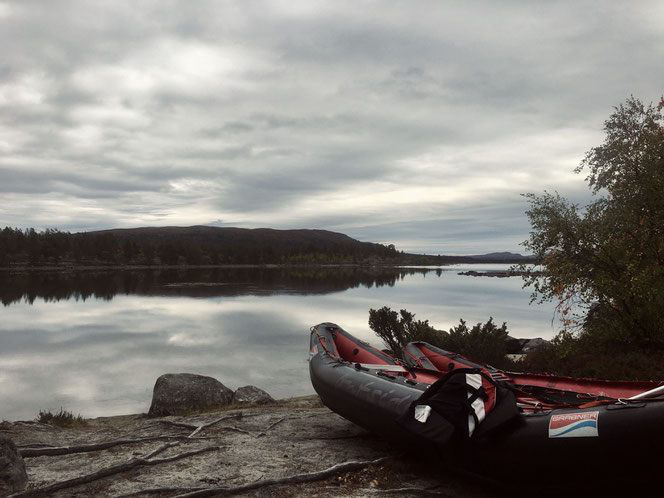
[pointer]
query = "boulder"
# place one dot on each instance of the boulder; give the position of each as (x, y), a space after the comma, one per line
(185, 393)
(252, 395)
(13, 476)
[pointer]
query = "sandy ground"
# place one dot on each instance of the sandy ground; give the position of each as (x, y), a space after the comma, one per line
(251, 445)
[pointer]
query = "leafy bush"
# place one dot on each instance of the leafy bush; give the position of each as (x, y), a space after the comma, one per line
(587, 355)
(398, 329)
(483, 343)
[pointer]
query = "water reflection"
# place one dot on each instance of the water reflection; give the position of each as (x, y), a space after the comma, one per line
(95, 344)
(208, 282)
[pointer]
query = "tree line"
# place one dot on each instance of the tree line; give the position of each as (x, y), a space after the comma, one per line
(174, 247)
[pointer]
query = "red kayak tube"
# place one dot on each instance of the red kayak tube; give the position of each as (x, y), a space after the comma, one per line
(561, 390)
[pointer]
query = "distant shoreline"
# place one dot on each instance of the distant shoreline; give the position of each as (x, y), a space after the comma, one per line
(73, 268)
(76, 268)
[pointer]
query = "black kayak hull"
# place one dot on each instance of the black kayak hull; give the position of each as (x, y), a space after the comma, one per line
(620, 443)
(362, 397)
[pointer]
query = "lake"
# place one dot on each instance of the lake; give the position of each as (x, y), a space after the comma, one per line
(95, 342)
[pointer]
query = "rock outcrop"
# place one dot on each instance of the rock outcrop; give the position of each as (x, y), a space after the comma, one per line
(13, 476)
(264, 449)
(185, 393)
(252, 395)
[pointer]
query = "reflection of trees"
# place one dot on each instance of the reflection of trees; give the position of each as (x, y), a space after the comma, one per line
(56, 286)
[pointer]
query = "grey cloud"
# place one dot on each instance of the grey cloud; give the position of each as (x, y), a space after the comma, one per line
(106, 108)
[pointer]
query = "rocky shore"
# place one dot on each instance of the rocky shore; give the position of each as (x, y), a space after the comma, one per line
(247, 445)
(500, 273)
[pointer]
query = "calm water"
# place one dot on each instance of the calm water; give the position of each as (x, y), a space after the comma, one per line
(94, 343)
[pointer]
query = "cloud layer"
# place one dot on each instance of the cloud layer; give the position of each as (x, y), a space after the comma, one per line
(416, 123)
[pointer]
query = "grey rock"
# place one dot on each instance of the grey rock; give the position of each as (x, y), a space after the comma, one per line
(252, 395)
(13, 476)
(185, 393)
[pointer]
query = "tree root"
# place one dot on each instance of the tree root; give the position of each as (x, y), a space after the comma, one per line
(237, 429)
(114, 469)
(332, 438)
(294, 479)
(161, 449)
(274, 424)
(411, 489)
(42, 450)
(159, 491)
(200, 427)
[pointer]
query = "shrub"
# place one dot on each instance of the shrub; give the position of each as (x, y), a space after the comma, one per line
(591, 356)
(483, 343)
(63, 418)
(398, 329)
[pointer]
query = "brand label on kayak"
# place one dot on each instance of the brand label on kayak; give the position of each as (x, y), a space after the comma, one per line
(580, 424)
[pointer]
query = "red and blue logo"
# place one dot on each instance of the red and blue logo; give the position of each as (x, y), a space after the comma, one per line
(580, 424)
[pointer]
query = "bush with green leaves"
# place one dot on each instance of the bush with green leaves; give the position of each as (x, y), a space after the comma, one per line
(484, 342)
(398, 329)
(603, 264)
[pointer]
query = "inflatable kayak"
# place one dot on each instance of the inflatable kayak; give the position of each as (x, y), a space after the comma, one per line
(477, 420)
(422, 354)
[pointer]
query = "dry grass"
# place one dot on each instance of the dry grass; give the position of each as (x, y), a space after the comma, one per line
(63, 418)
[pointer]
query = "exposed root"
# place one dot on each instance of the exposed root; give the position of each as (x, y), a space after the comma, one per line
(331, 438)
(114, 469)
(161, 449)
(159, 491)
(44, 450)
(411, 490)
(294, 479)
(184, 425)
(200, 427)
(236, 429)
(274, 424)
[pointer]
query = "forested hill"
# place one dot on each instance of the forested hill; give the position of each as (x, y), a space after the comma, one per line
(220, 245)
(198, 245)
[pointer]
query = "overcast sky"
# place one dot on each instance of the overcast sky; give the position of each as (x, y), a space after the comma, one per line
(413, 123)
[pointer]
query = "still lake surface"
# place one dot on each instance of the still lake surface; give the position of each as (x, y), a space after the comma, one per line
(95, 342)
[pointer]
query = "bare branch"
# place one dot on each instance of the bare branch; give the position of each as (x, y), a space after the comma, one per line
(332, 438)
(410, 490)
(200, 427)
(159, 491)
(109, 471)
(45, 450)
(274, 424)
(161, 449)
(294, 479)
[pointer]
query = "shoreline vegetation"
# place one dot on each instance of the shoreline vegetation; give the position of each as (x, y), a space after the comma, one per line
(73, 267)
(567, 355)
(204, 246)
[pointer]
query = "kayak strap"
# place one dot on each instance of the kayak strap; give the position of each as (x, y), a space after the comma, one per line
(465, 403)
